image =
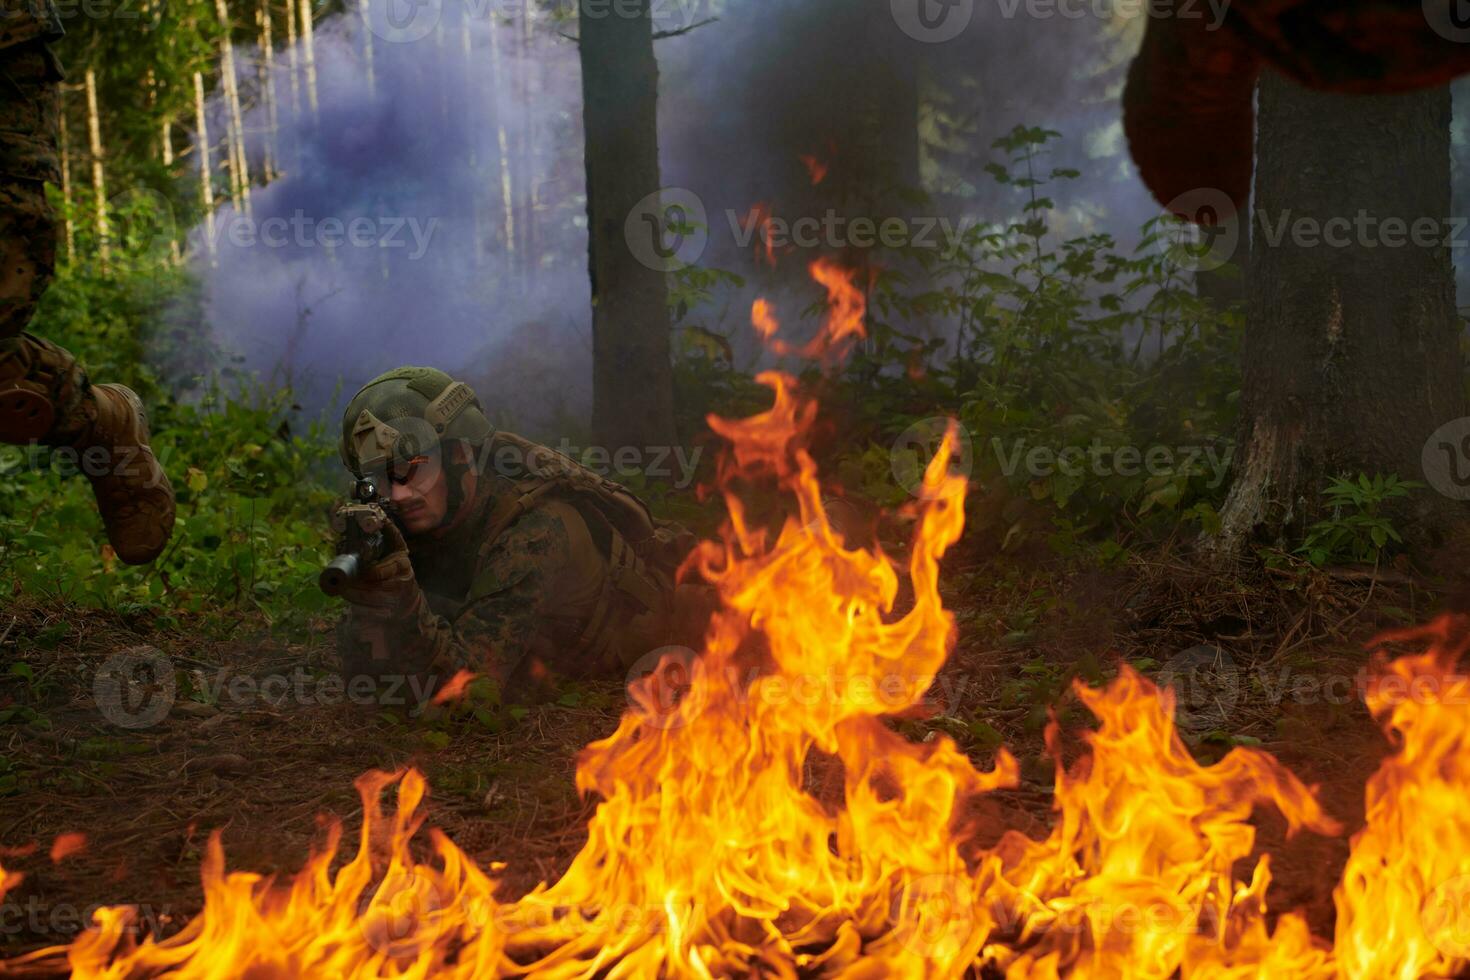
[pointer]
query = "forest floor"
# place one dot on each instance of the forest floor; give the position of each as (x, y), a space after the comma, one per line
(267, 771)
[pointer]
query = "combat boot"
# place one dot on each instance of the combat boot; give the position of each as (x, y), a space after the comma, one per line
(45, 397)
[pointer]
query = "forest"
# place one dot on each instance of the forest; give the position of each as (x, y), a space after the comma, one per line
(714, 488)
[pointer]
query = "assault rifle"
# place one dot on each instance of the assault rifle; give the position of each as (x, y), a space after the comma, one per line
(359, 527)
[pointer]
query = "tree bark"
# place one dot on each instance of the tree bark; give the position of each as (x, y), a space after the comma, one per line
(1351, 354)
(206, 176)
(99, 182)
(632, 377)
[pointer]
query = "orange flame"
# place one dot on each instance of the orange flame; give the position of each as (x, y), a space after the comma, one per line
(710, 854)
(816, 169)
(757, 221)
(65, 845)
(846, 308)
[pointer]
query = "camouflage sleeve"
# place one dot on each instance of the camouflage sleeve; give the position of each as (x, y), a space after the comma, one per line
(507, 607)
(26, 20)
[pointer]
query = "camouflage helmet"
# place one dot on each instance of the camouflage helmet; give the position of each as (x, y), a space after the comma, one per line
(408, 412)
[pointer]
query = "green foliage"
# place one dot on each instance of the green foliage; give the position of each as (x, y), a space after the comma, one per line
(251, 527)
(1094, 385)
(1357, 530)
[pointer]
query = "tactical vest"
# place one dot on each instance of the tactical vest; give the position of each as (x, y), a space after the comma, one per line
(634, 612)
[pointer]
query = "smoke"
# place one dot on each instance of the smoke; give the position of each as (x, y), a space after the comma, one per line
(431, 215)
(460, 168)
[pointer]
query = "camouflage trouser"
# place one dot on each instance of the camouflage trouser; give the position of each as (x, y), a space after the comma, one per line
(41, 385)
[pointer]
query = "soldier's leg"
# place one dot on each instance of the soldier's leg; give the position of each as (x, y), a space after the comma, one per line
(45, 395)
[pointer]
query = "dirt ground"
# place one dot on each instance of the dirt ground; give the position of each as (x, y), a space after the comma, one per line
(269, 770)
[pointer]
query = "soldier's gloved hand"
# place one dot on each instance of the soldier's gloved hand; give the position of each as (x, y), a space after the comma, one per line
(388, 585)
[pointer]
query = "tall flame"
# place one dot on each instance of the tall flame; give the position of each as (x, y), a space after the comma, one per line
(714, 852)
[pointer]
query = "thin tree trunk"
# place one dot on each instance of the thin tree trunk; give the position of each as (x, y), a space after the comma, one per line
(99, 181)
(527, 72)
(367, 46)
(632, 377)
(308, 50)
(268, 91)
(64, 145)
(234, 124)
(206, 182)
(1351, 356)
(291, 56)
(507, 187)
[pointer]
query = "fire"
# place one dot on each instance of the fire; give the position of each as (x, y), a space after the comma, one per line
(816, 169)
(1404, 901)
(757, 221)
(846, 307)
(711, 853)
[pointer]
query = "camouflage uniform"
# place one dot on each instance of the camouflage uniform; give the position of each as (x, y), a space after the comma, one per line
(45, 395)
(535, 577)
(30, 107)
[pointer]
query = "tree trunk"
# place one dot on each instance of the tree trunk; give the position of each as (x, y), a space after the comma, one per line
(234, 120)
(268, 91)
(66, 195)
(308, 54)
(367, 47)
(632, 377)
(502, 146)
(206, 179)
(99, 183)
(291, 67)
(1351, 355)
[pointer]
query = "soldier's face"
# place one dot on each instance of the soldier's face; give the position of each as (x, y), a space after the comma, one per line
(420, 492)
